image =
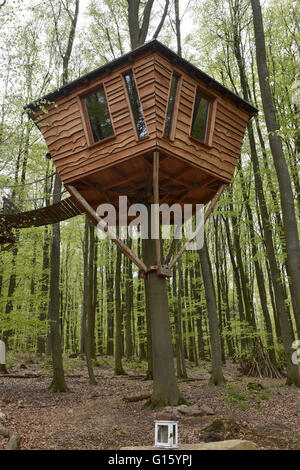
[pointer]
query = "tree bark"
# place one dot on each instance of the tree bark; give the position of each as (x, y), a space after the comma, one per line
(58, 382)
(217, 377)
(86, 304)
(165, 389)
(118, 337)
(281, 167)
(181, 367)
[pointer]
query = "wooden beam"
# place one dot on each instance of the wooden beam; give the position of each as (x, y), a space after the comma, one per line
(103, 225)
(156, 202)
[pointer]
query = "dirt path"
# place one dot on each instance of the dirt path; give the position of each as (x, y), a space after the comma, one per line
(96, 417)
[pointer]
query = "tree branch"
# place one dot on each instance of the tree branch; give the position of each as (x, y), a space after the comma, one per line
(133, 22)
(160, 25)
(146, 20)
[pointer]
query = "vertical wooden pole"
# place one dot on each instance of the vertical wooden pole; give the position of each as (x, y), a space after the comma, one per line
(156, 202)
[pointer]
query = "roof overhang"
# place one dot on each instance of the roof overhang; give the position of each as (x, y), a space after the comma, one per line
(155, 46)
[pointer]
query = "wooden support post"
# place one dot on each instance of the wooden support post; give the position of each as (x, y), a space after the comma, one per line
(156, 202)
(103, 226)
(199, 227)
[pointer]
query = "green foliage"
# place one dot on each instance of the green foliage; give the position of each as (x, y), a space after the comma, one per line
(236, 396)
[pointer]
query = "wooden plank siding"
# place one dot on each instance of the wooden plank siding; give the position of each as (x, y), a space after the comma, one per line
(65, 130)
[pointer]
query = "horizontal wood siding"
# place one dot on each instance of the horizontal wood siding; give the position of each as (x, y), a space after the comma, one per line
(64, 132)
(229, 129)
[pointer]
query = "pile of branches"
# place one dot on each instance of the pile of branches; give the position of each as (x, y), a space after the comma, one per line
(257, 363)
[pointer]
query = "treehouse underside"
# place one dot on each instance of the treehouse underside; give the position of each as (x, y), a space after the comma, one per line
(180, 182)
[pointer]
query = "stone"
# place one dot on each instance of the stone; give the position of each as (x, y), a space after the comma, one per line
(192, 410)
(234, 444)
(207, 410)
(2, 416)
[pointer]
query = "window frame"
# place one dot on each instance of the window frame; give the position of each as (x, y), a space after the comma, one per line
(211, 116)
(175, 107)
(137, 138)
(85, 116)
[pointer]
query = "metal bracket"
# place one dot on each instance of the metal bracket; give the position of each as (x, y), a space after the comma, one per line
(162, 271)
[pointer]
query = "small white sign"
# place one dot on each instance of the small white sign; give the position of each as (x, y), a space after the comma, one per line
(2, 352)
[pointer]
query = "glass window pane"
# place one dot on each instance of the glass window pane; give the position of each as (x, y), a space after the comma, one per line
(199, 122)
(163, 434)
(171, 103)
(135, 106)
(99, 117)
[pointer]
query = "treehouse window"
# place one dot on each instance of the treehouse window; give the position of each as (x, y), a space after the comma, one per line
(136, 107)
(98, 114)
(171, 104)
(200, 118)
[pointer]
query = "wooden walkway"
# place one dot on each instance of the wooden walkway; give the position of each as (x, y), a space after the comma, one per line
(63, 210)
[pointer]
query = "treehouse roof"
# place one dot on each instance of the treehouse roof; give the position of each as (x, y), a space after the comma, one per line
(152, 45)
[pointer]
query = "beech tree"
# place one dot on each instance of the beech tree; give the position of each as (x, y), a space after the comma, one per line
(285, 187)
(58, 381)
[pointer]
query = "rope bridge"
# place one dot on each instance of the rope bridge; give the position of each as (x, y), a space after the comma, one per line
(11, 217)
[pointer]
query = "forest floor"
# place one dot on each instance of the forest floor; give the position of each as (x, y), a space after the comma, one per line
(95, 417)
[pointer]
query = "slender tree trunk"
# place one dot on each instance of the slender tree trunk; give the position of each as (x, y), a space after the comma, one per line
(281, 167)
(118, 336)
(217, 377)
(128, 303)
(91, 279)
(110, 306)
(58, 382)
(88, 258)
(181, 368)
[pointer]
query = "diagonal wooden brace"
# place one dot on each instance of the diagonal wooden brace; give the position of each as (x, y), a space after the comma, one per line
(104, 227)
(198, 228)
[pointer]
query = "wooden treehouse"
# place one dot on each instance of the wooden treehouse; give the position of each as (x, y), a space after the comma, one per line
(147, 113)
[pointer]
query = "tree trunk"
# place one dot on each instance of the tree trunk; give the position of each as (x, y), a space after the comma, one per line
(118, 337)
(128, 303)
(281, 167)
(165, 389)
(181, 367)
(58, 382)
(216, 353)
(110, 305)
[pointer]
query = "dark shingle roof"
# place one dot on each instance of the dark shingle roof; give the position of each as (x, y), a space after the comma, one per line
(129, 57)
